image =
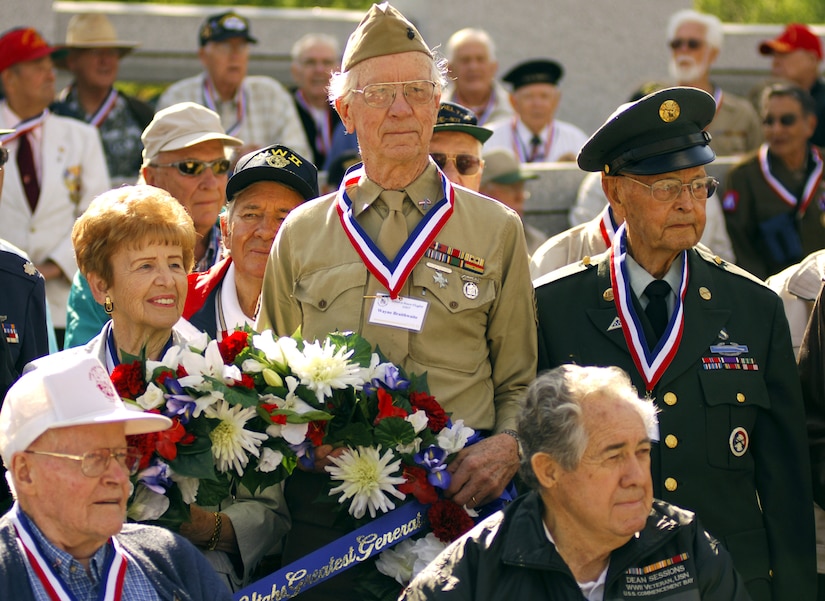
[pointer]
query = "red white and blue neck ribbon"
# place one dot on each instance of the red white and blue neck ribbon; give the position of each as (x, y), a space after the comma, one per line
(811, 186)
(607, 227)
(521, 149)
(103, 111)
(393, 274)
(650, 364)
(209, 99)
(112, 577)
(25, 127)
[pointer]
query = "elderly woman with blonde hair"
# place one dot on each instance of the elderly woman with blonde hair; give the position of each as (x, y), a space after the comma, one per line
(135, 246)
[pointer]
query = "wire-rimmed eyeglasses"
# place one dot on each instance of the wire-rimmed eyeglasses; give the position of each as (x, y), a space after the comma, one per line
(382, 95)
(94, 463)
(668, 189)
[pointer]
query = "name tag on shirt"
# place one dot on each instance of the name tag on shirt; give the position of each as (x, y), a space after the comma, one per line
(405, 313)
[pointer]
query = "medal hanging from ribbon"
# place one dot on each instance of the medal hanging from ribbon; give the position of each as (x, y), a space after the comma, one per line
(393, 274)
(211, 103)
(811, 186)
(607, 227)
(650, 364)
(25, 127)
(112, 576)
(103, 111)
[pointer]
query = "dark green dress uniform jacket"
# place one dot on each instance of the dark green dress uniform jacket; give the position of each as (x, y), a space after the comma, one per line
(758, 504)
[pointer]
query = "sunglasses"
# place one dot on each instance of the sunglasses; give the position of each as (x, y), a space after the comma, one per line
(193, 167)
(465, 164)
(4, 155)
(691, 44)
(785, 120)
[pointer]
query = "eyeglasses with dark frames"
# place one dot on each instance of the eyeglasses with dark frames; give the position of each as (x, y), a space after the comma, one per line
(690, 43)
(194, 167)
(668, 189)
(465, 164)
(382, 95)
(94, 463)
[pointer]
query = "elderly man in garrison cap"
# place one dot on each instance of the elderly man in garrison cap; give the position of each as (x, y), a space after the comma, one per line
(590, 527)
(63, 434)
(383, 236)
(534, 134)
(705, 339)
(456, 145)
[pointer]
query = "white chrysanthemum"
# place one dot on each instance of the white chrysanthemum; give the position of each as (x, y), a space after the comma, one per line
(454, 439)
(153, 397)
(270, 460)
(322, 368)
(277, 350)
(147, 504)
(188, 486)
(230, 441)
(366, 478)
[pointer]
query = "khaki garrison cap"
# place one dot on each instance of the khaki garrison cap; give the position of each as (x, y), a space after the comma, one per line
(382, 31)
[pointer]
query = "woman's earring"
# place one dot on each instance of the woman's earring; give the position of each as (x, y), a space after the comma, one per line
(108, 305)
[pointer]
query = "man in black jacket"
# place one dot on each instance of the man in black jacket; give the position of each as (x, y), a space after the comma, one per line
(590, 526)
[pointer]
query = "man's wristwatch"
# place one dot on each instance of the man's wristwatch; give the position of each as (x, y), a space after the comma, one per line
(515, 435)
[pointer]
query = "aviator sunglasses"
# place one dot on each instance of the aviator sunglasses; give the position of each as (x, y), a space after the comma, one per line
(465, 164)
(691, 43)
(193, 167)
(786, 120)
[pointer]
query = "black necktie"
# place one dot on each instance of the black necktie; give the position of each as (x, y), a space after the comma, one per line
(535, 146)
(28, 174)
(656, 310)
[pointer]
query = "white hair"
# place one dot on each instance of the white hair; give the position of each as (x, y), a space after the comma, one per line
(711, 23)
(470, 34)
(313, 39)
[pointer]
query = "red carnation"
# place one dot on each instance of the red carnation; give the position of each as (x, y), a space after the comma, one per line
(416, 484)
(128, 380)
(246, 381)
(145, 444)
(181, 371)
(386, 407)
(448, 520)
(436, 417)
(316, 432)
(279, 419)
(232, 345)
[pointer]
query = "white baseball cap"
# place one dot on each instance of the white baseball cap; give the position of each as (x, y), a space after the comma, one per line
(65, 389)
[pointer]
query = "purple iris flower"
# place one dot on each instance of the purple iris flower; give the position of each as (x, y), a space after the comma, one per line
(156, 478)
(305, 453)
(392, 380)
(181, 405)
(433, 459)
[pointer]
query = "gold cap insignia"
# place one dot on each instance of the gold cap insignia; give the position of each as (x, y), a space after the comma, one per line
(608, 294)
(704, 293)
(669, 111)
(277, 160)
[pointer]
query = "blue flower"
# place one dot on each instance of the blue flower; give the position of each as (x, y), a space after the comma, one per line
(433, 459)
(181, 405)
(156, 478)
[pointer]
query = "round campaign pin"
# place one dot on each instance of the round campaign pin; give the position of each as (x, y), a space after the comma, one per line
(738, 441)
(471, 290)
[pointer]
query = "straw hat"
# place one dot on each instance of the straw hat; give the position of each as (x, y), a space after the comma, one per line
(92, 30)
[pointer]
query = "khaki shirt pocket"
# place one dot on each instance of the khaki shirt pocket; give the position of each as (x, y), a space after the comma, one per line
(733, 400)
(331, 299)
(454, 335)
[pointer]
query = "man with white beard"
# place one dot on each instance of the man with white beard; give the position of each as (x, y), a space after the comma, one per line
(695, 40)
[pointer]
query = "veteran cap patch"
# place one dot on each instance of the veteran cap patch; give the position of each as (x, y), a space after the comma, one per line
(225, 26)
(274, 163)
(454, 117)
(382, 31)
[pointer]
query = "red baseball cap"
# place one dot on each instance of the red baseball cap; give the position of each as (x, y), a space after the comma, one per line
(795, 37)
(22, 44)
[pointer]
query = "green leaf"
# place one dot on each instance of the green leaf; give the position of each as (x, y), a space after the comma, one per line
(195, 465)
(234, 395)
(393, 431)
(351, 435)
(212, 492)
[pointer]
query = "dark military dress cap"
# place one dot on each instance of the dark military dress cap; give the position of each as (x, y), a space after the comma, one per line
(225, 26)
(534, 71)
(454, 117)
(274, 163)
(662, 132)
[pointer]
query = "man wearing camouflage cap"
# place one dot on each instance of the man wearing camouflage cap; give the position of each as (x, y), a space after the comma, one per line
(703, 338)
(383, 235)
